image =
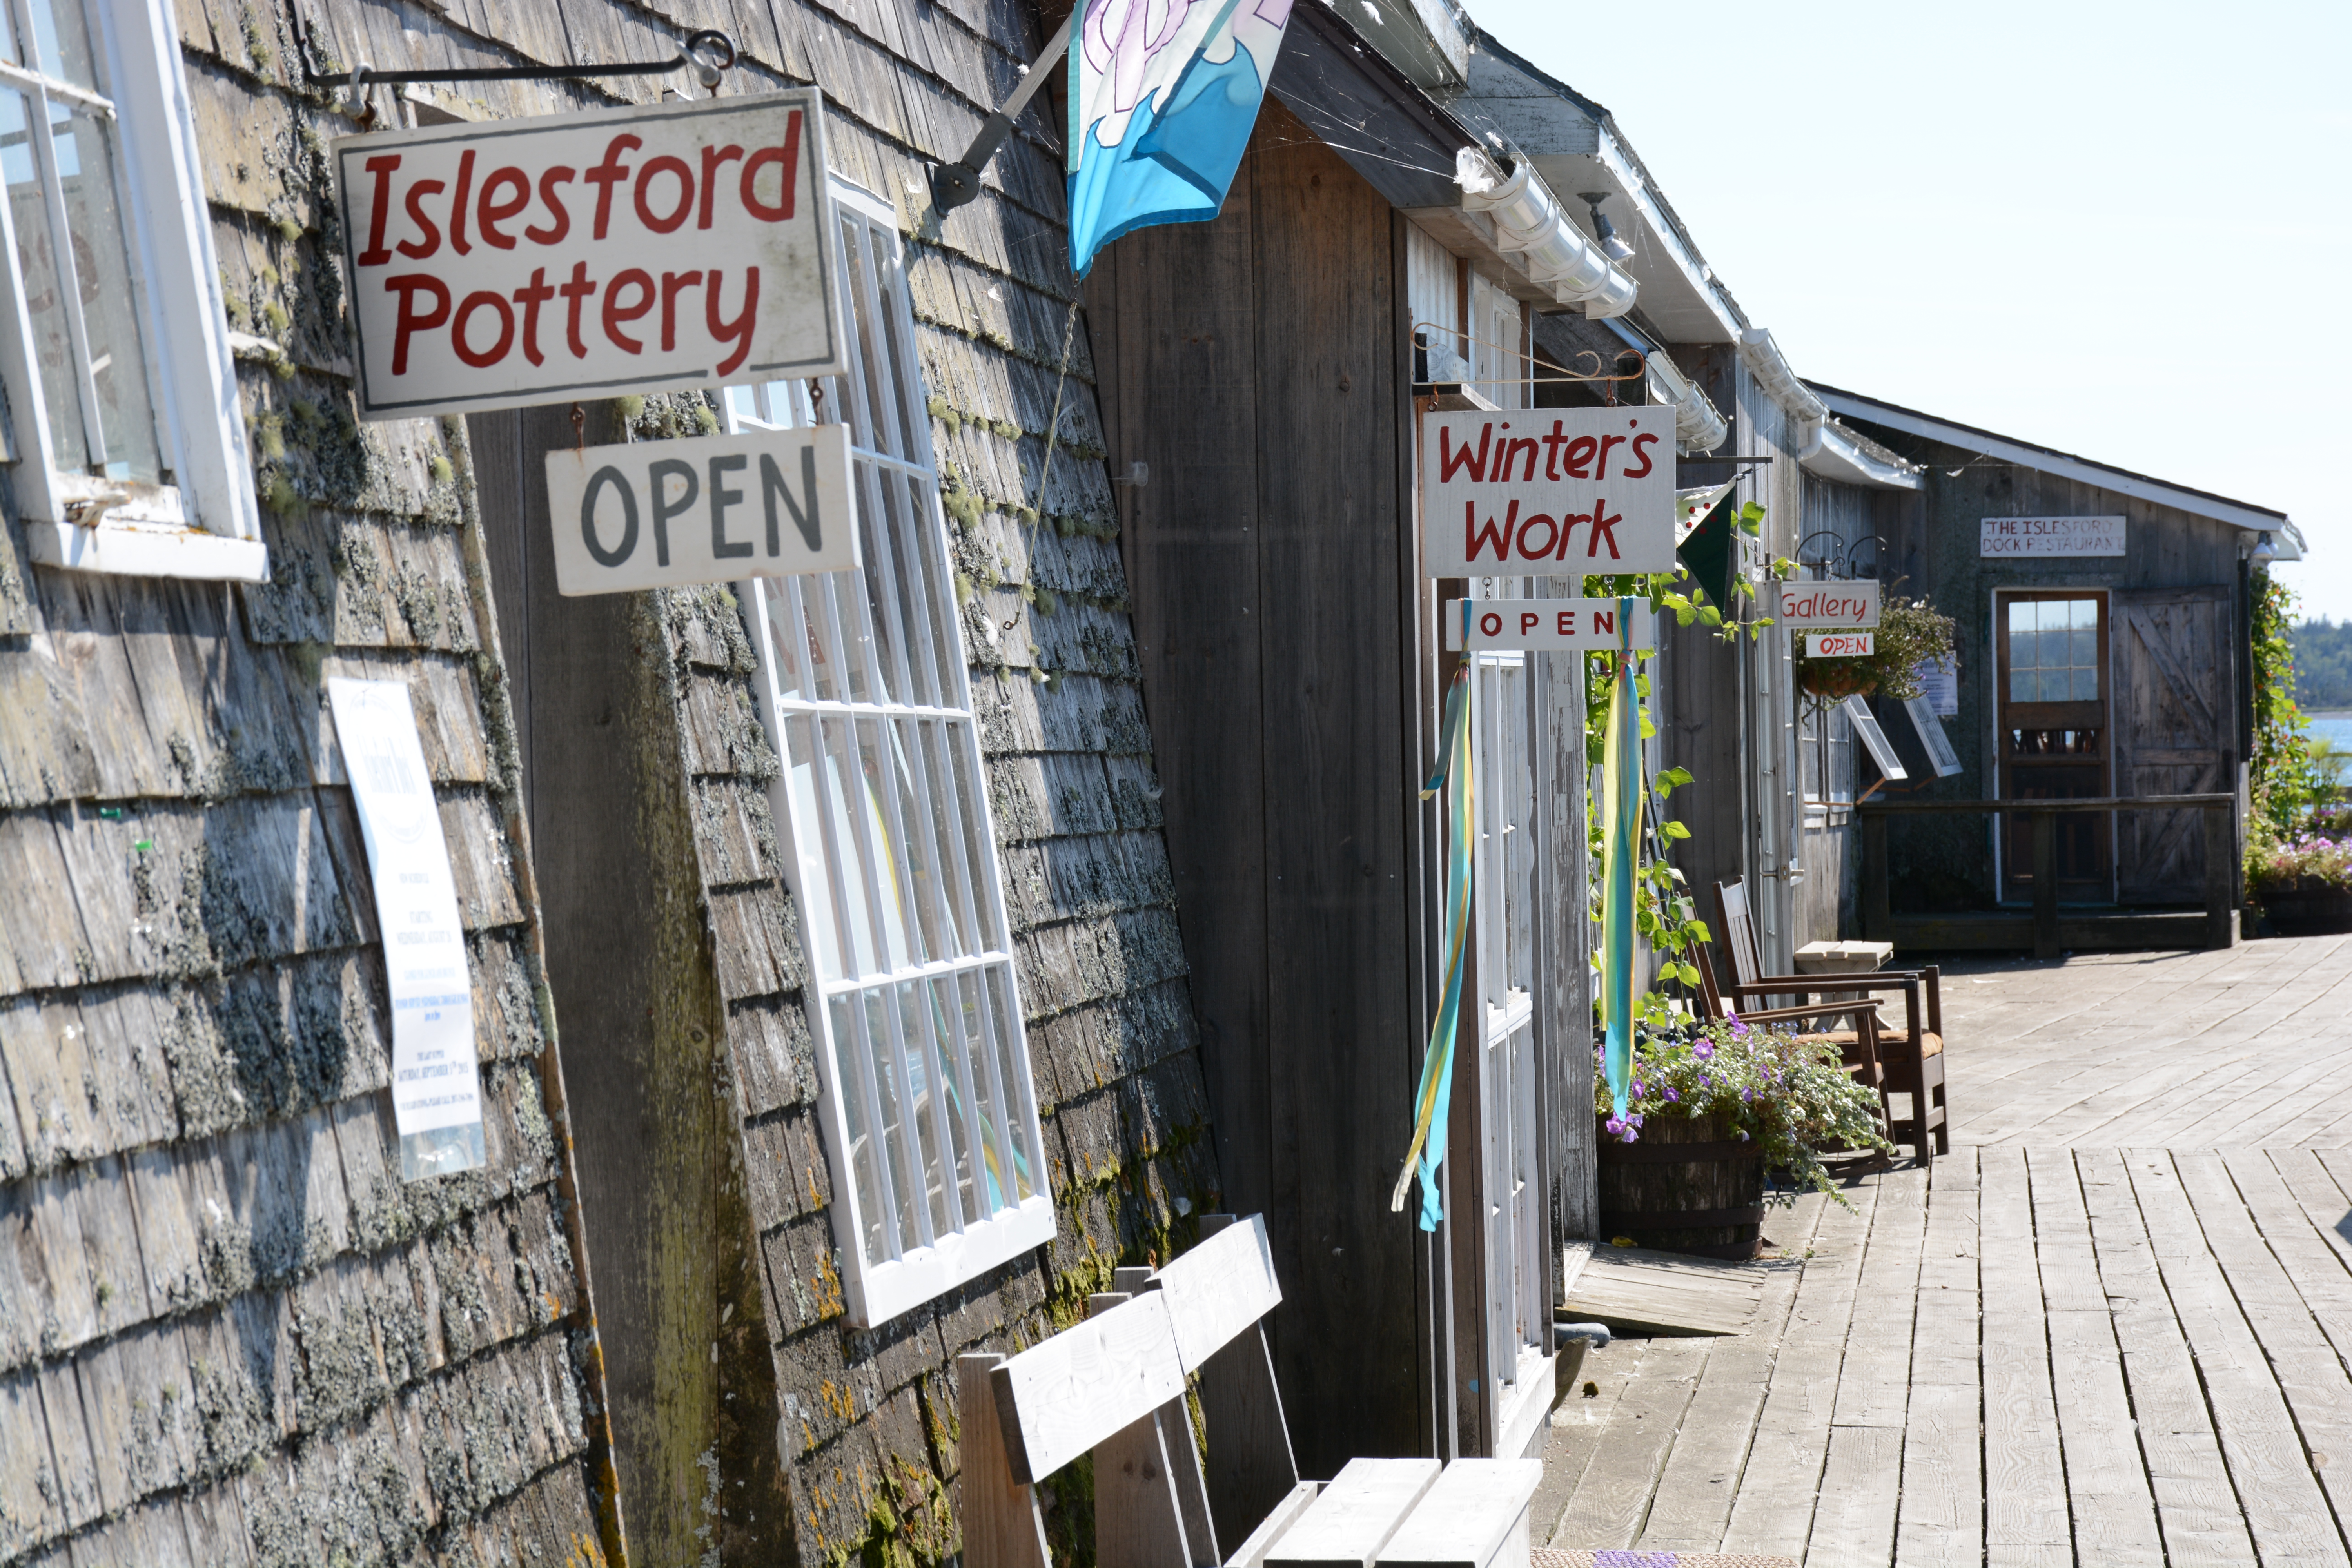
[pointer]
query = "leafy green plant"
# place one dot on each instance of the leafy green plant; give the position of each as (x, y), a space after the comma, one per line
(1910, 634)
(1792, 1094)
(2283, 784)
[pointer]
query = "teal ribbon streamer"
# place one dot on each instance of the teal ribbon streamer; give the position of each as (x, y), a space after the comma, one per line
(1621, 795)
(1436, 1095)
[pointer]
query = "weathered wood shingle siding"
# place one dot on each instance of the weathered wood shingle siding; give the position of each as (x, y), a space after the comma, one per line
(863, 1423)
(228, 1334)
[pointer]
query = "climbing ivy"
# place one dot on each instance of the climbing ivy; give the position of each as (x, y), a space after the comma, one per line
(2283, 781)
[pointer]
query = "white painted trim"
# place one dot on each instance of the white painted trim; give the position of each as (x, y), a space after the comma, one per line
(1771, 369)
(1533, 1393)
(884, 1291)
(2238, 514)
(134, 552)
(1616, 159)
(202, 416)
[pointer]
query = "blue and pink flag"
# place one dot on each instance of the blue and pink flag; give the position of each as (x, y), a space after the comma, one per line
(1163, 94)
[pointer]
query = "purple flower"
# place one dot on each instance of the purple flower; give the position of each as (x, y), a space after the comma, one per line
(1749, 1095)
(1704, 1051)
(1671, 1098)
(1634, 1120)
(1612, 1126)
(1743, 1135)
(1638, 1091)
(1739, 1028)
(1632, 1136)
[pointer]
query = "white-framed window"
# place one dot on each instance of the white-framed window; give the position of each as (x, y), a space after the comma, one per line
(881, 805)
(125, 442)
(1825, 754)
(1506, 882)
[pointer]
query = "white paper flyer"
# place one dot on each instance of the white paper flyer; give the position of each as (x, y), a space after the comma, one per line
(436, 1089)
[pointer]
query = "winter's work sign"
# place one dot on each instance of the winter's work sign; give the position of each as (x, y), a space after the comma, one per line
(1540, 492)
(1549, 626)
(505, 263)
(436, 1090)
(661, 514)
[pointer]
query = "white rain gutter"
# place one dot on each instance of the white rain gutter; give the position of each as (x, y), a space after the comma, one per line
(1529, 219)
(1824, 446)
(1697, 427)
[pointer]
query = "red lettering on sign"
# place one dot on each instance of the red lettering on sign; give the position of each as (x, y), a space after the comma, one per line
(605, 176)
(489, 212)
(408, 285)
(739, 331)
(787, 158)
(616, 314)
(484, 358)
(575, 293)
(671, 283)
(670, 221)
(1531, 552)
(1450, 462)
(1490, 625)
(1552, 444)
(458, 204)
(1528, 621)
(377, 254)
(1511, 456)
(1604, 526)
(1567, 531)
(1576, 461)
(711, 158)
(1568, 623)
(531, 298)
(1604, 623)
(1606, 442)
(1472, 536)
(417, 250)
(1641, 445)
(560, 175)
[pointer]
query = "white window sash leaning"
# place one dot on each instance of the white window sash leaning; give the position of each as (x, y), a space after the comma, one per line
(126, 448)
(881, 800)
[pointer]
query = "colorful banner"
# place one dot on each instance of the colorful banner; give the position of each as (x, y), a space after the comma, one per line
(1620, 810)
(1432, 1099)
(1163, 95)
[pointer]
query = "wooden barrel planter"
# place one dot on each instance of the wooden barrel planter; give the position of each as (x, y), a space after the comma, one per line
(1684, 1186)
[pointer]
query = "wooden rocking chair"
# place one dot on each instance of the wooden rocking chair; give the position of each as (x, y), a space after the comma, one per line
(1913, 1059)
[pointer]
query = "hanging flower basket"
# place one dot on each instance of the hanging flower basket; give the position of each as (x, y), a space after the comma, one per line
(1836, 677)
(1910, 634)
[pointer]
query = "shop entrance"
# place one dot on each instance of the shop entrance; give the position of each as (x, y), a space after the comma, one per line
(2054, 736)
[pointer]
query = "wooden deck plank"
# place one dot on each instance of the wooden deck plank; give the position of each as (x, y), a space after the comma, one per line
(2025, 1478)
(1939, 1517)
(1873, 1385)
(2285, 1511)
(1613, 1500)
(1853, 1523)
(2196, 1507)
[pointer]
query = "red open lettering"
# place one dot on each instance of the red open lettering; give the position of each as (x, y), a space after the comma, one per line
(1490, 625)
(1528, 621)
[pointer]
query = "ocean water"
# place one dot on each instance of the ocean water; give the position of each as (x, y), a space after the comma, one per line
(2336, 727)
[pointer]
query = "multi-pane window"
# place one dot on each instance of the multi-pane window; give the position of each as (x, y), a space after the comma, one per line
(1506, 881)
(126, 442)
(931, 1118)
(2054, 650)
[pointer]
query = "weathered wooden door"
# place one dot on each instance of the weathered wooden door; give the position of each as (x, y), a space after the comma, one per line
(2174, 666)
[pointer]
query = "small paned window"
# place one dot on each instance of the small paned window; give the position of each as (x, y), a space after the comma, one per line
(125, 443)
(2054, 650)
(931, 1118)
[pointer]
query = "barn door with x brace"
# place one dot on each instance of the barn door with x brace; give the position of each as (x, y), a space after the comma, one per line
(2175, 660)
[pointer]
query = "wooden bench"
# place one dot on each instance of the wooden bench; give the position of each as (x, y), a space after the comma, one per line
(1114, 1387)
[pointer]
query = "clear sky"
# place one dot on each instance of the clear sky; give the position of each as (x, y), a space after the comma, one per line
(2125, 231)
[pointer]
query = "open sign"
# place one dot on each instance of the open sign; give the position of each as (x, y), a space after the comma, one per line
(511, 262)
(663, 514)
(1550, 625)
(1841, 644)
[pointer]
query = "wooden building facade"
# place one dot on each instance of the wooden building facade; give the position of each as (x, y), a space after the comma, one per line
(2106, 656)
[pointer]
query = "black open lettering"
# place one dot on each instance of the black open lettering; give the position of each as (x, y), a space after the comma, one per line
(608, 474)
(658, 475)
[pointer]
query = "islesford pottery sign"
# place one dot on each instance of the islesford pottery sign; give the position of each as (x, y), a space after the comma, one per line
(506, 263)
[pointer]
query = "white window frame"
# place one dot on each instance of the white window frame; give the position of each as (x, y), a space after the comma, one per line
(942, 780)
(205, 523)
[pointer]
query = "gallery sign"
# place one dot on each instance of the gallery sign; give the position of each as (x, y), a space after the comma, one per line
(1542, 492)
(1801, 606)
(1549, 626)
(663, 514)
(1999, 536)
(503, 263)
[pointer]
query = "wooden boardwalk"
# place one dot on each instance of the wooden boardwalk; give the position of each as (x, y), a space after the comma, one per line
(2113, 1329)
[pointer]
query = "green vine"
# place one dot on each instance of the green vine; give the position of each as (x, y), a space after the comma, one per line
(2283, 781)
